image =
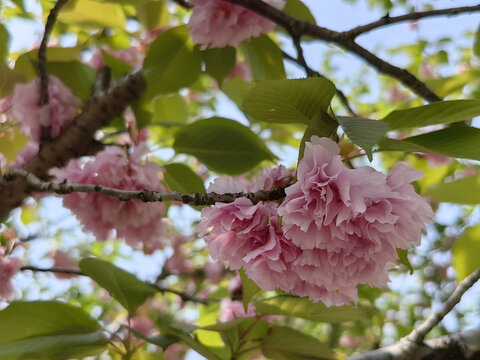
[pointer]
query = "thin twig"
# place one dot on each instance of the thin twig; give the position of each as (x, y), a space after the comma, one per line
(413, 345)
(37, 185)
(184, 4)
(42, 51)
(341, 95)
(184, 296)
(387, 20)
(417, 335)
(300, 27)
(300, 58)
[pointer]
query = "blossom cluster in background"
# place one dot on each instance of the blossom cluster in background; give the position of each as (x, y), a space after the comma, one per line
(336, 228)
(217, 23)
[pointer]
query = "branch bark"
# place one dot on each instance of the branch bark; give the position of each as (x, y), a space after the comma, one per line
(412, 346)
(297, 27)
(42, 51)
(34, 184)
(387, 20)
(76, 141)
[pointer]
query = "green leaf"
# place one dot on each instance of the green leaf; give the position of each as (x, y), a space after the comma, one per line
(47, 330)
(119, 68)
(403, 259)
(152, 14)
(123, 286)
(12, 143)
(172, 62)
(303, 308)
(458, 142)
(299, 10)
(444, 86)
(224, 145)
(164, 341)
(463, 191)
(322, 125)
(181, 178)
(77, 76)
(442, 112)
(89, 13)
(466, 252)
(4, 44)
(476, 44)
(236, 89)
(363, 132)
(8, 79)
(219, 62)
(289, 101)
(249, 289)
(170, 109)
(290, 344)
(264, 58)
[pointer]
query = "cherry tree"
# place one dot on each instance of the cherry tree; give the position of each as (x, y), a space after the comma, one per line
(187, 232)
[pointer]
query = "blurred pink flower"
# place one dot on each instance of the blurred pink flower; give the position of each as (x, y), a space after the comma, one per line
(350, 341)
(175, 352)
(143, 325)
(396, 95)
(231, 310)
(426, 71)
(139, 223)
(240, 69)
(214, 271)
(178, 263)
(217, 23)
(348, 223)
(8, 268)
(436, 160)
(60, 111)
(247, 235)
(62, 260)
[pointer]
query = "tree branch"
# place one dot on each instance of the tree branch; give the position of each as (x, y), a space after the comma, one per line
(182, 295)
(387, 20)
(42, 51)
(77, 140)
(34, 184)
(298, 27)
(413, 347)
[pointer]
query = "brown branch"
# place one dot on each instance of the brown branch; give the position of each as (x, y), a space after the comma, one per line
(182, 295)
(42, 51)
(387, 20)
(343, 98)
(77, 140)
(413, 345)
(297, 27)
(37, 185)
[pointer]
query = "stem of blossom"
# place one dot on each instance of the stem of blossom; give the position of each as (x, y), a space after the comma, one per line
(182, 295)
(417, 335)
(413, 345)
(42, 51)
(37, 185)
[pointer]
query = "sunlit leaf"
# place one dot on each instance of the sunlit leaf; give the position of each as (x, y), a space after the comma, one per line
(463, 191)
(249, 289)
(299, 10)
(224, 145)
(4, 44)
(264, 58)
(181, 178)
(77, 76)
(403, 259)
(363, 132)
(172, 62)
(219, 62)
(290, 344)
(48, 330)
(93, 14)
(123, 286)
(8, 79)
(303, 308)
(442, 112)
(466, 252)
(458, 142)
(322, 125)
(289, 101)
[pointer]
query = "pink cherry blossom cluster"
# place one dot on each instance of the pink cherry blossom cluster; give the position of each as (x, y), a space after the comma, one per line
(336, 228)
(35, 120)
(8, 268)
(218, 23)
(139, 224)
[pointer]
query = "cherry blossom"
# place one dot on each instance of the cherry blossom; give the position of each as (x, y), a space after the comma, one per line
(348, 223)
(62, 260)
(8, 268)
(217, 23)
(139, 224)
(231, 310)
